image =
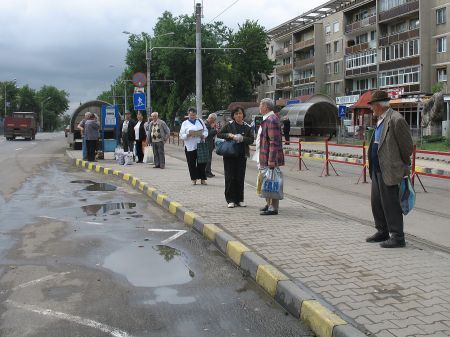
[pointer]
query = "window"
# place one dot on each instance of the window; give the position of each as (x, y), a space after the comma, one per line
(328, 68)
(336, 67)
(361, 38)
(336, 27)
(404, 76)
(400, 50)
(327, 29)
(414, 24)
(336, 46)
(441, 44)
(328, 46)
(328, 88)
(386, 5)
(363, 59)
(336, 87)
(441, 75)
(372, 35)
(271, 50)
(441, 15)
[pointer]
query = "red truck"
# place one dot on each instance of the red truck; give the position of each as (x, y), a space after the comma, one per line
(20, 124)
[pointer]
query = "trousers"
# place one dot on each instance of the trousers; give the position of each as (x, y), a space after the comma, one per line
(196, 170)
(234, 178)
(158, 154)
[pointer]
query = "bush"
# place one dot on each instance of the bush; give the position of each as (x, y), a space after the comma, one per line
(433, 139)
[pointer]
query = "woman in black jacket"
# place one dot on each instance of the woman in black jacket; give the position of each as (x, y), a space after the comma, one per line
(140, 136)
(234, 167)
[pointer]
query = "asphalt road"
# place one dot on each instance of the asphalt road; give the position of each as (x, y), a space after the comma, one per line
(80, 257)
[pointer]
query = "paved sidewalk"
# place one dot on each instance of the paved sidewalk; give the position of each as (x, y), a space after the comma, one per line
(398, 292)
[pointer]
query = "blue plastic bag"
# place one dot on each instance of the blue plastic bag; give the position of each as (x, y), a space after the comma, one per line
(407, 195)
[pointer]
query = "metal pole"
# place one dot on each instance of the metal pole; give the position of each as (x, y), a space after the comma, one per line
(5, 99)
(148, 57)
(198, 59)
(125, 98)
(42, 116)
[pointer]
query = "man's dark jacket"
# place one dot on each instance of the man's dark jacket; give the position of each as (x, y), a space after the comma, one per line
(130, 132)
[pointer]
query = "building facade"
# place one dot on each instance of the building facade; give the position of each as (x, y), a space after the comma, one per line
(347, 47)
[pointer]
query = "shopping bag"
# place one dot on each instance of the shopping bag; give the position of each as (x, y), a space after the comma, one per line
(203, 153)
(272, 183)
(258, 183)
(407, 195)
(128, 160)
(227, 148)
(119, 155)
(148, 155)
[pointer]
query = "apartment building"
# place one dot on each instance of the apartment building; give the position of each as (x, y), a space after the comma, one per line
(347, 47)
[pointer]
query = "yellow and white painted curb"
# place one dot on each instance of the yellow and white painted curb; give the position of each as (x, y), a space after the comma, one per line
(301, 304)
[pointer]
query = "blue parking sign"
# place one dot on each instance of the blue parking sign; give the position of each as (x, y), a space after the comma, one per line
(139, 101)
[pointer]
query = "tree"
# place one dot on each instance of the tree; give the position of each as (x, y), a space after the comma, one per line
(27, 99)
(247, 70)
(54, 103)
(9, 93)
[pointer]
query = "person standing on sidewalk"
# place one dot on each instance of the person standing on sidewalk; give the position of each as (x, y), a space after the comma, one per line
(212, 132)
(127, 132)
(269, 147)
(140, 136)
(91, 127)
(81, 125)
(235, 167)
(192, 132)
(286, 129)
(158, 133)
(389, 154)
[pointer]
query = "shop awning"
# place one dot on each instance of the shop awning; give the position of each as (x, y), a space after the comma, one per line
(362, 102)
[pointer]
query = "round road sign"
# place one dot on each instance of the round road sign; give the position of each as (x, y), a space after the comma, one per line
(139, 80)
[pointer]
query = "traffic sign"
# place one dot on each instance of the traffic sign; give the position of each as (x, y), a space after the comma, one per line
(139, 101)
(342, 111)
(139, 79)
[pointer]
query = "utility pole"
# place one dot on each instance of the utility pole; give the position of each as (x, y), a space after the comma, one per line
(147, 57)
(198, 59)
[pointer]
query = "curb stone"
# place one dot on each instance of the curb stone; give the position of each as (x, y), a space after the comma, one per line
(300, 304)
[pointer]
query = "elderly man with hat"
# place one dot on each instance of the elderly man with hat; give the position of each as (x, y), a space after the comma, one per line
(127, 132)
(389, 155)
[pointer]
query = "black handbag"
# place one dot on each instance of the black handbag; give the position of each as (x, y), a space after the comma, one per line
(227, 148)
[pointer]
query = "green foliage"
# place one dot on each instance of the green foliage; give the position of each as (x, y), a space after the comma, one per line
(53, 104)
(9, 93)
(437, 87)
(227, 75)
(27, 100)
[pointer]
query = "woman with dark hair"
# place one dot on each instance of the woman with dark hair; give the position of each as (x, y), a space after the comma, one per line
(240, 132)
(140, 136)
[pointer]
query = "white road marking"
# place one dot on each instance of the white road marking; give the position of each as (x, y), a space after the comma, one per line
(45, 278)
(47, 217)
(71, 318)
(93, 223)
(173, 237)
(19, 148)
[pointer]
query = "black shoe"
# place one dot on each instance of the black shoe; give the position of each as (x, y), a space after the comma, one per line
(269, 212)
(210, 175)
(393, 243)
(265, 208)
(378, 237)
(156, 166)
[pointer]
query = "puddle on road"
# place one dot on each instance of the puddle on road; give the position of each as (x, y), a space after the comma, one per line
(94, 209)
(147, 266)
(93, 186)
(169, 295)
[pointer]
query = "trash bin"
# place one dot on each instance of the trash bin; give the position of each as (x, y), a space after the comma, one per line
(368, 134)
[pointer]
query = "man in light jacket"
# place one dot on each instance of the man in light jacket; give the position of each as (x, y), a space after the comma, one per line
(157, 134)
(389, 154)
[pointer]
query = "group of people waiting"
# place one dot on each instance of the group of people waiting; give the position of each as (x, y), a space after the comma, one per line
(389, 155)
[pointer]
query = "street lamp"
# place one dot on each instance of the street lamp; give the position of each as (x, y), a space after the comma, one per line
(42, 112)
(148, 56)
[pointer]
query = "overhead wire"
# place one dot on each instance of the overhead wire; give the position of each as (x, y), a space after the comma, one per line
(223, 11)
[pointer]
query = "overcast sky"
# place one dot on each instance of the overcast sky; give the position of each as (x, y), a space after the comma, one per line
(78, 45)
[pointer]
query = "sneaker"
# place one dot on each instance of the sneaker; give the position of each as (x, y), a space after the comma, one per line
(242, 204)
(231, 205)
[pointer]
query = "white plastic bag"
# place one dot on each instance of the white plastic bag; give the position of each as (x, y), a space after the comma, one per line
(148, 155)
(272, 183)
(119, 155)
(128, 159)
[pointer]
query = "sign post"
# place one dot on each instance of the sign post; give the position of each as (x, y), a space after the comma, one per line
(139, 101)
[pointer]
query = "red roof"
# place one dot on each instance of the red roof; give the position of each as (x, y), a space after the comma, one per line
(362, 102)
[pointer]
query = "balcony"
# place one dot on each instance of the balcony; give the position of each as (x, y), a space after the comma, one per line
(398, 11)
(303, 63)
(410, 34)
(304, 44)
(357, 48)
(305, 80)
(283, 51)
(401, 63)
(367, 22)
(284, 68)
(407, 88)
(284, 85)
(361, 71)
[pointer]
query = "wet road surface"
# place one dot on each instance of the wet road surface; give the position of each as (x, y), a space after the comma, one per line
(85, 257)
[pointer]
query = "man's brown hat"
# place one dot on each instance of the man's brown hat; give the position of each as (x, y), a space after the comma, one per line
(379, 96)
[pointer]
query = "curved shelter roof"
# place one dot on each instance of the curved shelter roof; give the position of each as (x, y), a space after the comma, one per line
(315, 117)
(362, 102)
(94, 106)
